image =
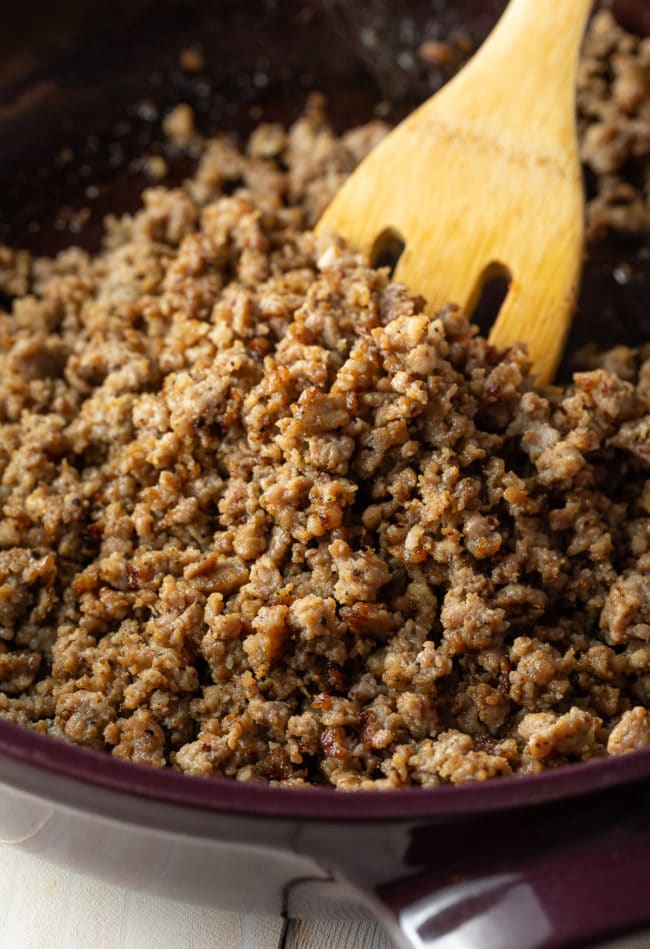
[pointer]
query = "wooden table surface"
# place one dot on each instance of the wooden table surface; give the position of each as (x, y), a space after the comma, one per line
(45, 907)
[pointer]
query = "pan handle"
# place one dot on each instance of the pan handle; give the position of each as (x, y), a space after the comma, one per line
(575, 892)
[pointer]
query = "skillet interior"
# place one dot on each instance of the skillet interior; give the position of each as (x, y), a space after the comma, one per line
(77, 112)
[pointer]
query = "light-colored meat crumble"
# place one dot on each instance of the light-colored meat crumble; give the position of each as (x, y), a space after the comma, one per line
(614, 111)
(262, 517)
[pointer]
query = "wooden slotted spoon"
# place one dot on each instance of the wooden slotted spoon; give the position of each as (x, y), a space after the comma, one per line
(484, 180)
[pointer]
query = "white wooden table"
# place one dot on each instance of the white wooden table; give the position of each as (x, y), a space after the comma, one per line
(45, 907)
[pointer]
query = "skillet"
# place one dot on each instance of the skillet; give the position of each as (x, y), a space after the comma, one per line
(553, 860)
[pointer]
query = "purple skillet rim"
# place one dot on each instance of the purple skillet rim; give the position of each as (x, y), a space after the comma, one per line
(227, 796)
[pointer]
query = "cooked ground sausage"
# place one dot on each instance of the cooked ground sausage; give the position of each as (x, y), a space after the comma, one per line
(263, 517)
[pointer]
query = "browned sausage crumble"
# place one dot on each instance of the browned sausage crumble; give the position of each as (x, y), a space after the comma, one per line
(263, 517)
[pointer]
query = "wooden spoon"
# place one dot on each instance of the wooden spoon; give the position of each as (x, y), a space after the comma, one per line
(484, 180)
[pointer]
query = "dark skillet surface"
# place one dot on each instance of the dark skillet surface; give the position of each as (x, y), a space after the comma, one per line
(77, 95)
(102, 100)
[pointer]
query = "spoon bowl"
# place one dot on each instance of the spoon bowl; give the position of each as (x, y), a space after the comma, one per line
(484, 181)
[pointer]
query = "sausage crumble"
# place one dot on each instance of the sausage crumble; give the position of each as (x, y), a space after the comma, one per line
(263, 517)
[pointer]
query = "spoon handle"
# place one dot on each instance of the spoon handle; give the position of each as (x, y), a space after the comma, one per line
(523, 76)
